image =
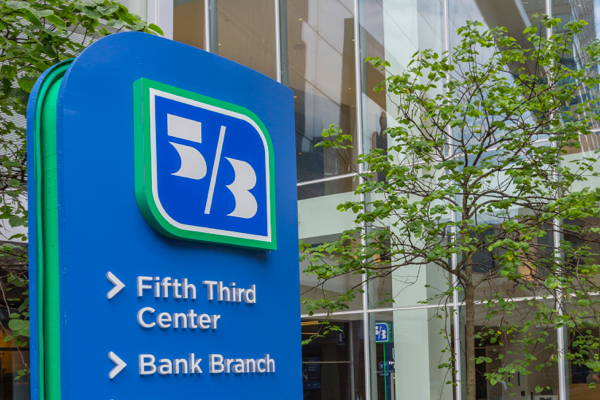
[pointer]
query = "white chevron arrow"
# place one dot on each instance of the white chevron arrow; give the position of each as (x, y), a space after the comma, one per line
(120, 365)
(115, 281)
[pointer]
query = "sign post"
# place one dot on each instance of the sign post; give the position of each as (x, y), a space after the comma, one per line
(163, 250)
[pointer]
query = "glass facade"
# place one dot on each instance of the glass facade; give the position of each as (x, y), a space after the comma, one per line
(318, 48)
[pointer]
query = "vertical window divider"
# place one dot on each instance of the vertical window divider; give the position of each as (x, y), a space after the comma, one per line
(207, 30)
(278, 39)
(359, 136)
(454, 261)
(560, 332)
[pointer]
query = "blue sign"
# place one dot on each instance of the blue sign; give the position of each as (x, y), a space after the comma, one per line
(311, 373)
(341, 337)
(200, 151)
(171, 241)
(383, 332)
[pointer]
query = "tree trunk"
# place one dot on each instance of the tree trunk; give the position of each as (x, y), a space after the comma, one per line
(470, 339)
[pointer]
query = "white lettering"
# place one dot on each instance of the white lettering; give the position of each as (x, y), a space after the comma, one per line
(141, 286)
(258, 367)
(215, 318)
(166, 282)
(176, 286)
(178, 317)
(192, 319)
(215, 364)
(238, 367)
(250, 365)
(140, 317)
(180, 361)
(270, 363)
(166, 367)
(209, 290)
(164, 320)
(187, 288)
(194, 364)
(250, 295)
(222, 290)
(150, 363)
(204, 321)
(218, 365)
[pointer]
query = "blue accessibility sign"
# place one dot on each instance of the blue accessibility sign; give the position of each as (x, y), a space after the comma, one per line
(205, 167)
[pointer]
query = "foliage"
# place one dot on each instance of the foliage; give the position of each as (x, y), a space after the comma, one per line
(477, 184)
(34, 35)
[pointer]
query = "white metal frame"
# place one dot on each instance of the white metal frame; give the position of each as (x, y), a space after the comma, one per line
(160, 13)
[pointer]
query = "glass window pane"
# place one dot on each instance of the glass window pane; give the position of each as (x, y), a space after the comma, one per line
(320, 222)
(245, 33)
(393, 30)
(188, 22)
(319, 66)
(314, 289)
(583, 340)
(506, 337)
(588, 11)
(398, 284)
(333, 365)
(406, 351)
(318, 189)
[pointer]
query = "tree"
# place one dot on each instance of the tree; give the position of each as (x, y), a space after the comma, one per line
(475, 184)
(34, 35)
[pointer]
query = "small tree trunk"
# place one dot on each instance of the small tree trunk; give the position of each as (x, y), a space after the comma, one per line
(470, 339)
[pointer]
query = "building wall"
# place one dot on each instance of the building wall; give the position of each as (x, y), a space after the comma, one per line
(318, 48)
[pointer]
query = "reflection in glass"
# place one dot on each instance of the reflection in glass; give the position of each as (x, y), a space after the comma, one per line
(313, 289)
(509, 347)
(333, 365)
(188, 22)
(569, 11)
(245, 33)
(407, 348)
(393, 31)
(533, 270)
(319, 66)
(407, 285)
(312, 190)
(583, 340)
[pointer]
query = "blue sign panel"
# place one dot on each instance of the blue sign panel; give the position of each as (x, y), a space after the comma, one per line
(176, 225)
(383, 332)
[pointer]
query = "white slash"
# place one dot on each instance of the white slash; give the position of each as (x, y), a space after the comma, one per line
(120, 365)
(115, 281)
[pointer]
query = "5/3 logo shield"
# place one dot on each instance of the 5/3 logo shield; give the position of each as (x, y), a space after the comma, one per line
(204, 168)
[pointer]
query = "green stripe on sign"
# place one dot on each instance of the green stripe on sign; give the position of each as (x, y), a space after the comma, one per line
(47, 234)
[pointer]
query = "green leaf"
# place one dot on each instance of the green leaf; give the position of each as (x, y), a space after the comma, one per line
(16, 324)
(539, 389)
(91, 12)
(26, 83)
(56, 21)
(42, 13)
(19, 94)
(16, 221)
(105, 10)
(156, 29)
(17, 5)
